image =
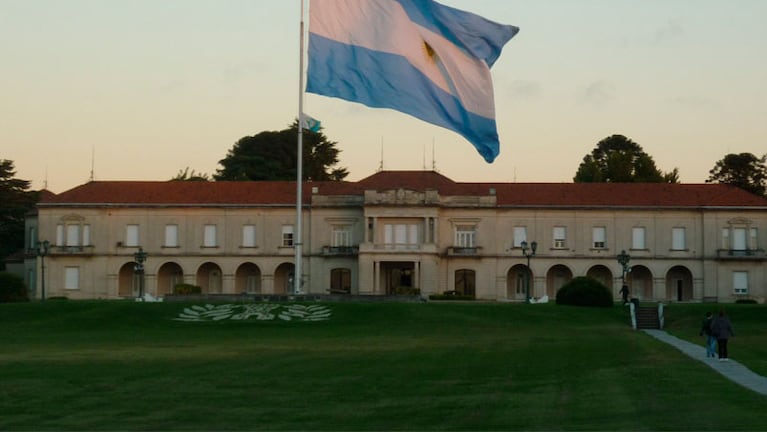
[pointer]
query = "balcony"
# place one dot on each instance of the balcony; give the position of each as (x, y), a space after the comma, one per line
(463, 251)
(340, 250)
(71, 250)
(741, 254)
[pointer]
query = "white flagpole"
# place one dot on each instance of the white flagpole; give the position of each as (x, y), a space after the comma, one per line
(298, 240)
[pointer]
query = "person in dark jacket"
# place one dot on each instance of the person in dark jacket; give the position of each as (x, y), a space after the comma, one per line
(705, 330)
(721, 328)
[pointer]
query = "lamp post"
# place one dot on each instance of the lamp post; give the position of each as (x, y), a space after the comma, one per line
(623, 260)
(42, 251)
(140, 257)
(528, 253)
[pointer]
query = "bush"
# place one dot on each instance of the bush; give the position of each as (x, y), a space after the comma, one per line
(746, 301)
(185, 288)
(585, 291)
(12, 288)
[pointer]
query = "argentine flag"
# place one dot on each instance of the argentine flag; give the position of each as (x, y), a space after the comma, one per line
(415, 56)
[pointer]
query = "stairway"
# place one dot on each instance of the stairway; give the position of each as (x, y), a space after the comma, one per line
(647, 317)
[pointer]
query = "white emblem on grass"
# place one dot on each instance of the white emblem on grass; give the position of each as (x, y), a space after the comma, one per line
(263, 312)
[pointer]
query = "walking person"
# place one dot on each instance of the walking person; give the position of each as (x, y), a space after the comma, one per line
(705, 330)
(625, 293)
(721, 328)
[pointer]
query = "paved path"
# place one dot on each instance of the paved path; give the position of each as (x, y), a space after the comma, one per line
(730, 369)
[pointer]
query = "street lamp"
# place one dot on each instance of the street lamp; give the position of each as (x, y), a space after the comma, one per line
(140, 257)
(528, 253)
(623, 260)
(42, 251)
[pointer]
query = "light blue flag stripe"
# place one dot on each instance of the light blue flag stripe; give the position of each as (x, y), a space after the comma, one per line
(413, 56)
(398, 85)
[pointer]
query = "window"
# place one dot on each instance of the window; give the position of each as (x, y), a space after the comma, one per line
(248, 236)
(678, 239)
(341, 236)
(599, 236)
(752, 242)
(60, 235)
(740, 282)
(32, 238)
(171, 235)
(560, 237)
(287, 235)
(87, 235)
(401, 236)
(520, 235)
(72, 278)
(209, 236)
(465, 236)
(131, 235)
(739, 239)
(73, 235)
(638, 238)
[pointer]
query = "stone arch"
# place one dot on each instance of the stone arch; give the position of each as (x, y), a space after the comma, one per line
(247, 278)
(283, 278)
(640, 281)
(209, 278)
(168, 276)
(127, 280)
(516, 279)
(556, 277)
(602, 274)
(679, 284)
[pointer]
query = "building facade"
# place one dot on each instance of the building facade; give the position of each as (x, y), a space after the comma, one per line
(404, 232)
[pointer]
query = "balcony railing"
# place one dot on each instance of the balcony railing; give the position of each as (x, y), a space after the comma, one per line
(741, 254)
(463, 251)
(71, 250)
(340, 250)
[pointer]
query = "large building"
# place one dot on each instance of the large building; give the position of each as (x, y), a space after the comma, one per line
(401, 232)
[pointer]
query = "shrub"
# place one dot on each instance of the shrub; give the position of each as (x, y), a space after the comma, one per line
(12, 288)
(585, 291)
(746, 301)
(185, 288)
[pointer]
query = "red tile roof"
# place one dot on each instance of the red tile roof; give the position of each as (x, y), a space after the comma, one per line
(508, 194)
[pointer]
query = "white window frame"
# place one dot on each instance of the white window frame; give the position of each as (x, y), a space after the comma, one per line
(401, 236)
(73, 235)
(249, 236)
(559, 233)
(86, 228)
(287, 236)
(132, 235)
(740, 282)
(465, 236)
(341, 236)
(639, 238)
(209, 239)
(71, 278)
(599, 237)
(171, 236)
(679, 238)
(520, 235)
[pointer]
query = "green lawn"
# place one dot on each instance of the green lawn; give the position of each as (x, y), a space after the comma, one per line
(68, 365)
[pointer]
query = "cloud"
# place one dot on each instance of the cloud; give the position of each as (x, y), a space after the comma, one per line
(598, 93)
(525, 90)
(671, 30)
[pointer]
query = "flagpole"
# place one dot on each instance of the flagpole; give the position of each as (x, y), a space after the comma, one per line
(298, 241)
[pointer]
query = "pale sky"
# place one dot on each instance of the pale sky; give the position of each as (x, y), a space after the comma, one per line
(142, 89)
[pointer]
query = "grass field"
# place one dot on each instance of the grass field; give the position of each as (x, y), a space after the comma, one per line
(68, 365)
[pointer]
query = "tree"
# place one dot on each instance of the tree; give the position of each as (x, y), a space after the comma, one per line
(271, 155)
(16, 202)
(185, 175)
(617, 159)
(743, 170)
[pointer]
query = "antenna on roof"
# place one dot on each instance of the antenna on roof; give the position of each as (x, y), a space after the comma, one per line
(433, 158)
(93, 161)
(380, 165)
